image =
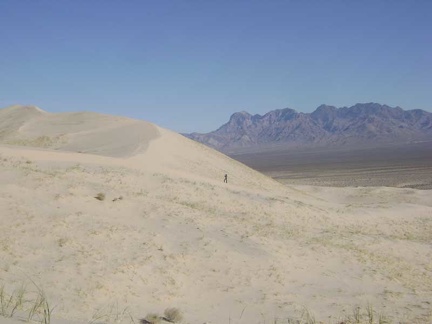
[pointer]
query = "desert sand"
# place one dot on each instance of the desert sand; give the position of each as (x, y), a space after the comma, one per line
(168, 232)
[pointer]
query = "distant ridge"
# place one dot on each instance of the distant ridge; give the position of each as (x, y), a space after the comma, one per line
(363, 123)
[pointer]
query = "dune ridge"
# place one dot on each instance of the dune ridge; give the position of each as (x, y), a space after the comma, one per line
(85, 132)
(170, 233)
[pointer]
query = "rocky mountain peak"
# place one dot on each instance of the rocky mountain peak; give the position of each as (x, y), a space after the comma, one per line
(327, 125)
(240, 116)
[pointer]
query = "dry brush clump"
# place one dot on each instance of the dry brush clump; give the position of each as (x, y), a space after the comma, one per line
(151, 318)
(100, 196)
(171, 315)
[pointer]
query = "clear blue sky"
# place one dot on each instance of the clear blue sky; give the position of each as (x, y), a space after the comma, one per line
(188, 65)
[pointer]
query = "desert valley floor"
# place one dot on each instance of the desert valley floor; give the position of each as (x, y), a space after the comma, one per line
(406, 165)
(110, 232)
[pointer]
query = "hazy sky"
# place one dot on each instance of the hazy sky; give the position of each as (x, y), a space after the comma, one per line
(188, 65)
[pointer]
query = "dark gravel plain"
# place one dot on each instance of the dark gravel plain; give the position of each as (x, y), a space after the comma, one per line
(403, 165)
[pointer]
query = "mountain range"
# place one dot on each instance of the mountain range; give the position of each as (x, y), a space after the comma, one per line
(363, 123)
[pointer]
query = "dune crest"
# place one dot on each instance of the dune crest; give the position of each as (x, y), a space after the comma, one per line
(85, 132)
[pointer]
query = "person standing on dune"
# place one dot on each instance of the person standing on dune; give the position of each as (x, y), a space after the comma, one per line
(226, 178)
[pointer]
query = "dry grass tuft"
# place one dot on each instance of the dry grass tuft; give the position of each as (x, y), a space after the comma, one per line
(36, 307)
(9, 304)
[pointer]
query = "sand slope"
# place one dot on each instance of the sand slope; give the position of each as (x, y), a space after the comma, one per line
(170, 233)
(84, 132)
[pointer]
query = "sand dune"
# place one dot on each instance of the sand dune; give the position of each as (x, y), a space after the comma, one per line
(170, 233)
(84, 132)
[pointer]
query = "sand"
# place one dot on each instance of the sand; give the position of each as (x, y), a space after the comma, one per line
(170, 233)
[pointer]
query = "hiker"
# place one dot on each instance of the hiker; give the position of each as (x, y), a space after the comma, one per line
(226, 178)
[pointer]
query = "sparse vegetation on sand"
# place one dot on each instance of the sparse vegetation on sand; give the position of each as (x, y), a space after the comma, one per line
(33, 305)
(9, 304)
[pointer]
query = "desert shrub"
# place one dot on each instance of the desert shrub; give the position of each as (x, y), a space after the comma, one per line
(173, 315)
(151, 318)
(100, 196)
